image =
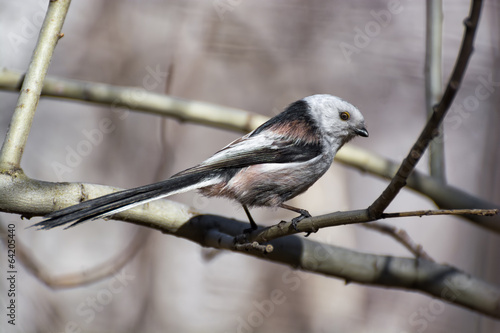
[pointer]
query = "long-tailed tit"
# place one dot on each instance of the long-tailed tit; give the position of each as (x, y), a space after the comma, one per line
(270, 165)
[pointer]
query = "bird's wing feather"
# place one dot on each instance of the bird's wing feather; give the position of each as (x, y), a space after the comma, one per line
(260, 149)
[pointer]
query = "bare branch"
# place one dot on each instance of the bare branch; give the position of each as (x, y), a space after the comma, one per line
(441, 281)
(444, 196)
(30, 197)
(400, 236)
(430, 129)
(20, 126)
(433, 81)
(134, 98)
(420, 213)
(218, 239)
(314, 223)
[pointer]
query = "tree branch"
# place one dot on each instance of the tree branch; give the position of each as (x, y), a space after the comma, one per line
(433, 81)
(420, 213)
(31, 197)
(134, 98)
(400, 236)
(20, 125)
(314, 223)
(430, 129)
(444, 196)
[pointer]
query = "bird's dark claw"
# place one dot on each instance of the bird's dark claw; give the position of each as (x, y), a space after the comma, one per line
(313, 230)
(303, 215)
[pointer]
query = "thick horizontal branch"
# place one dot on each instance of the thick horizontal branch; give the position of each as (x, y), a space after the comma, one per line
(441, 281)
(134, 98)
(29, 197)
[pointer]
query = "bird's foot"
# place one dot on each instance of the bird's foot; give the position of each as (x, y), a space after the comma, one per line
(303, 215)
(312, 230)
(243, 237)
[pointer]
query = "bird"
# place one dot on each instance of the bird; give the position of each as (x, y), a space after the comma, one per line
(270, 165)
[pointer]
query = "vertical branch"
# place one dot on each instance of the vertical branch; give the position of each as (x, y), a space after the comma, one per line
(20, 125)
(439, 111)
(433, 81)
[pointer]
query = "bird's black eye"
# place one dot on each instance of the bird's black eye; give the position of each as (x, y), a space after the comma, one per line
(345, 115)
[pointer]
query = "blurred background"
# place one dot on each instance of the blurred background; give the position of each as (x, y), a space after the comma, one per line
(258, 56)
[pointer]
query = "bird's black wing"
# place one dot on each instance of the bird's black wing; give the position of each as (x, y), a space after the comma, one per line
(293, 140)
(285, 154)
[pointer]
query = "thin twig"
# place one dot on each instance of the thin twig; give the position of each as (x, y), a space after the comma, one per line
(315, 223)
(20, 125)
(420, 213)
(308, 225)
(429, 131)
(401, 236)
(268, 248)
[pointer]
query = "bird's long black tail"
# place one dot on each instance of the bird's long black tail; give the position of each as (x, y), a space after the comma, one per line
(116, 202)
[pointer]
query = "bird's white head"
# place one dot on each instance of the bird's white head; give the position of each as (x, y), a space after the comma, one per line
(339, 120)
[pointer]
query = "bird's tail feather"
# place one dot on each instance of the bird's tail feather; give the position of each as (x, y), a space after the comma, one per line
(119, 201)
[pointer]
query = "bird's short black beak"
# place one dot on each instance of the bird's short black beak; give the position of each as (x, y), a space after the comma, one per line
(361, 132)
